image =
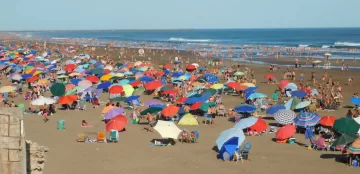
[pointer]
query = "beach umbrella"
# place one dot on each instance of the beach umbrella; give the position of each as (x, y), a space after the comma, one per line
(285, 132)
(327, 121)
(117, 123)
(256, 95)
(152, 102)
(32, 79)
(114, 112)
(135, 83)
(104, 85)
(283, 83)
(251, 89)
(290, 104)
(74, 74)
(346, 125)
(132, 98)
(354, 148)
(153, 85)
(205, 106)
(273, 109)
(41, 101)
(245, 108)
(118, 99)
(106, 77)
(196, 106)
(355, 100)
(188, 120)
(345, 139)
(317, 61)
(259, 126)
(151, 110)
(75, 81)
(85, 83)
(17, 77)
(119, 75)
(190, 67)
(210, 90)
(128, 90)
(308, 91)
(59, 77)
(116, 89)
(67, 99)
(269, 76)
(299, 94)
(138, 91)
(107, 109)
(239, 73)
(124, 82)
(57, 89)
(291, 86)
(227, 135)
(93, 79)
(233, 85)
(285, 116)
(302, 104)
(97, 70)
(216, 86)
(181, 99)
(170, 111)
(167, 129)
(69, 86)
(245, 123)
(307, 119)
(6, 89)
(170, 92)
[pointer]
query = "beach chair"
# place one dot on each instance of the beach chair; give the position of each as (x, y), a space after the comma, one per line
(221, 112)
(194, 136)
(101, 137)
(247, 148)
(81, 137)
(113, 136)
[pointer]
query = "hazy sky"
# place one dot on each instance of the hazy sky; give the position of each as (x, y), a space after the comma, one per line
(169, 14)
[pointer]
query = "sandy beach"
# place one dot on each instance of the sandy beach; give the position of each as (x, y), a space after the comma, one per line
(133, 155)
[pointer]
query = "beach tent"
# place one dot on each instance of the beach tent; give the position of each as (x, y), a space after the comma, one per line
(188, 120)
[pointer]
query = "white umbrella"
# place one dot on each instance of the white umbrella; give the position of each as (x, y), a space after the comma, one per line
(42, 101)
(17, 77)
(60, 72)
(167, 129)
(327, 54)
(6, 89)
(196, 65)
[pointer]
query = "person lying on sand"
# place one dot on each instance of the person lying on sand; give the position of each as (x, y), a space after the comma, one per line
(85, 124)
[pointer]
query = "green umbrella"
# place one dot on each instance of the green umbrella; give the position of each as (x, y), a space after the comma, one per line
(118, 99)
(131, 78)
(119, 64)
(73, 91)
(344, 139)
(205, 106)
(97, 71)
(166, 88)
(57, 89)
(239, 73)
(151, 110)
(295, 102)
(210, 90)
(346, 125)
(202, 80)
(138, 91)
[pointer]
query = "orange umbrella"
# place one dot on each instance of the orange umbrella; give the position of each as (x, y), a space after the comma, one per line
(327, 121)
(70, 67)
(233, 85)
(241, 88)
(259, 126)
(269, 76)
(170, 111)
(69, 86)
(153, 85)
(93, 79)
(167, 66)
(116, 89)
(117, 123)
(67, 99)
(107, 109)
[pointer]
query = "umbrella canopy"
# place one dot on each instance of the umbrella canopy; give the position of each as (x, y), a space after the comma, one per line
(170, 111)
(107, 109)
(205, 106)
(259, 126)
(57, 89)
(292, 103)
(181, 99)
(117, 123)
(355, 100)
(153, 85)
(116, 89)
(256, 95)
(299, 93)
(285, 132)
(152, 102)
(345, 139)
(346, 126)
(327, 121)
(273, 109)
(67, 99)
(239, 73)
(233, 85)
(307, 119)
(285, 116)
(188, 120)
(128, 90)
(114, 112)
(167, 129)
(227, 135)
(283, 83)
(132, 98)
(269, 76)
(85, 83)
(6, 89)
(151, 110)
(118, 99)
(245, 108)
(196, 106)
(354, 148)
(42, 101)
(216, 86)
(302, 104)
(245, 123)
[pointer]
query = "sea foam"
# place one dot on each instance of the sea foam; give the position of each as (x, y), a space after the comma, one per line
(349, 44)
(188, 40)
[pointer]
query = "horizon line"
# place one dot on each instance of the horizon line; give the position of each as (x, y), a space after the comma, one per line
(171, 29)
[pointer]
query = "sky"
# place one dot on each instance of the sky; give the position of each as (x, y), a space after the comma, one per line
(176, 14)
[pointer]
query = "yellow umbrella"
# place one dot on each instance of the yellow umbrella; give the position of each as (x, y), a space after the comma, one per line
(217, 86)
(128, 89)
(196, 83)
(29, 71)
(74, 74)
(247, 84)
(36, 73)
(43, 81)
(106, 77)
(119, 75)
(6, 89)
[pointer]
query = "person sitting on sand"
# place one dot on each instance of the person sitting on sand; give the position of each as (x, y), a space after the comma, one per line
(85, 124)
(152, 122)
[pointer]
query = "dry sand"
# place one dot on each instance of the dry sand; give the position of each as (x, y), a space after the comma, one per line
(133, 155)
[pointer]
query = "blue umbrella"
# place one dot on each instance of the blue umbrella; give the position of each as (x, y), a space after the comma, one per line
(245, 108)
(124, 82)
(247, 95)
(273, 109)
(227, 135)
(206, 96)
(256, 95)
(26, 76)
(158, 106)
(245, 123)
(307, 119)
(92, 61)
(104, 85)
(251, 89)
(193, 100)
(131, 98)
(213, 80)
(299, 94)
(355, 100)
(146, 79)
(291, 86)
(230, 147)
(177, 74)
(75, 81)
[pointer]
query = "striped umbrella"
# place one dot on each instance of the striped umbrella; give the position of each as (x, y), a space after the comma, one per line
(307, 119)
(285, 116)
(354, 148)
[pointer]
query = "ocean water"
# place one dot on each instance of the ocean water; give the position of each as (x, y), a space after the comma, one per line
(340, 42)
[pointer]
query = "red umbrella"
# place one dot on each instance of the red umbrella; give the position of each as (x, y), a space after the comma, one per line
(160, 73)
(170, 111)
(181, 99)
(285, 132)
(116, 89)
(67, 99)
(196, 105)
(93, 79)
(233, 85)
(117, 123)
(190, 67)
(259, 126)
(327, 121)
(283, 83)
(106, 71)
(135, 83)
(308, 91)
(153, 85)
(32, 79)
(269, 76)
(70, 67)
(167, 66)
(170, 91)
